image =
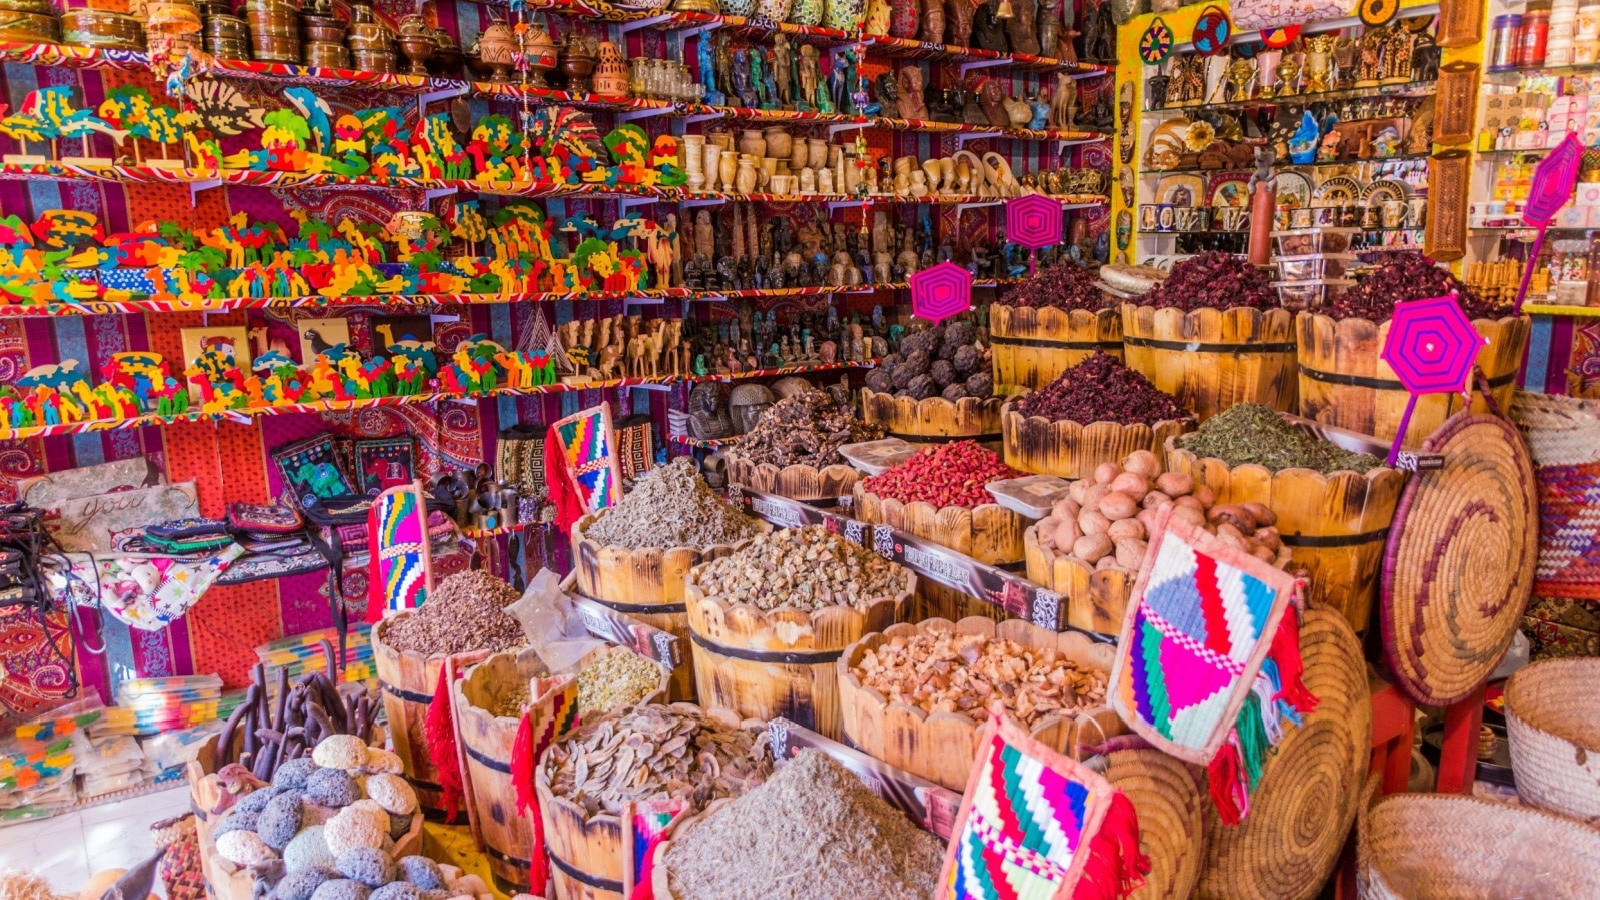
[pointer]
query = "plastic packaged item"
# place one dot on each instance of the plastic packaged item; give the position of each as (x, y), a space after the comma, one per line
(1504, 55)
(1312, 294)
(1031, 495)
(1303, 241)
(1534, 37)
(1314, 265)
(876, 457)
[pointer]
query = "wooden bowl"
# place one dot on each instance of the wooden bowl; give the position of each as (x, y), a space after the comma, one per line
(1033, 346)
(1097, 600)
(1210, 359)
(1068, 449)
(797, 482)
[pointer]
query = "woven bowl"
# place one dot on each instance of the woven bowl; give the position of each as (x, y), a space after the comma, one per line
(1553, 721)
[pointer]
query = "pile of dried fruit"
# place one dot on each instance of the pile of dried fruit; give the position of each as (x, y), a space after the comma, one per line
(1252, 433)
(941, 671)
(465, 612)
(952, 474)
(1214, 280)
(671, 507)
(615, 678)
(1404, 277)
(1105, 521)
(1065, 285)
(812, 831)
(1102, 389)
(655, 752)
(806, 429)
(946, 360)
(807, 568)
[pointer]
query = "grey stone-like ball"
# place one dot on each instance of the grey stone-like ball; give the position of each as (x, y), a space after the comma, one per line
(331, 787)
(422, 872)
(437, 894)
(879, 381)
(300, 885)
(942, 372)
(256, 801)
(368, 865)
(280, 821)
(967, 360)
(397, 890)
(921, 387)
(308, 850)
(292, 773)
(399, 824)
(980, 385)
(237, 820)
(341, 889)
(954, 392)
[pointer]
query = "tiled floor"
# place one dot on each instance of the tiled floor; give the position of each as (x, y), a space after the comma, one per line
(68, 848)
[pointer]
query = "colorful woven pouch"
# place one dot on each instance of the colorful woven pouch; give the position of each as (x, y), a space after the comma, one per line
(1209, 658)
(1563, 435)
(397, 534)
(581, 464)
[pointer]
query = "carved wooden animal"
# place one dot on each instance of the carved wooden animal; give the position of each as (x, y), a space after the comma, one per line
(636, 351)
(653, 345)
(1064, 103)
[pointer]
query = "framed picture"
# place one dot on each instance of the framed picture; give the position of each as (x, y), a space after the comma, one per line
(321, 335)
(215, 350)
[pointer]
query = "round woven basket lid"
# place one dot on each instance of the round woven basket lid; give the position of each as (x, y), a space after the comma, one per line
(1172, 827)
(1458, 568)
(1305, 803)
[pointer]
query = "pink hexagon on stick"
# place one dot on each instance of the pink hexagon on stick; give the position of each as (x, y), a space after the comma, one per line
(1432, 348)
(941, 291)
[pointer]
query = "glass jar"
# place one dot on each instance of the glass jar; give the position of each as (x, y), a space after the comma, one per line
(1534, 36)
(1505, 42)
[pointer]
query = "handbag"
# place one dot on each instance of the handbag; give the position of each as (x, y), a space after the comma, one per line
(312, 471)
(264, 519)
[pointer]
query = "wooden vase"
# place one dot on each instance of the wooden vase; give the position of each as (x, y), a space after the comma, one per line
(768, 663)
(989, 533)
(797, 482)
(942, 747)
(1033, 346)
(1212, 359)
(1069, 450)
(1335, 526)
(934, 420)
(1344, 381)
(1097, 599)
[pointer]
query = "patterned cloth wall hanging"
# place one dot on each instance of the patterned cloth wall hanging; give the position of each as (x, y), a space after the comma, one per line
(581, 464)
(397, 536)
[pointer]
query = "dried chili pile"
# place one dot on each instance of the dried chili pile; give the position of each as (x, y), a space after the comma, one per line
(1101, 389)
(952, 474)
(1065, 285)
(1405, 277)
(1214, 280)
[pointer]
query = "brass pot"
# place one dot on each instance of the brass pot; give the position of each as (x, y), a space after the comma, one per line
(29, 28)
(325, 54)
(101, 28)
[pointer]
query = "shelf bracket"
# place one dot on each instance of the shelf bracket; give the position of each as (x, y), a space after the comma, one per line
(195, 187)
(627, 27)
(643, 301)
(963, 136)
(702, 201)
(448, 93)
(664, 388)
(432, 194)
(845, 204)
(1092, 73)
(984, 64)
(963, 207)
(626, 203)
(696, 31)
(1064, 143)
(846, 126)
(634, 115)
(702, 117)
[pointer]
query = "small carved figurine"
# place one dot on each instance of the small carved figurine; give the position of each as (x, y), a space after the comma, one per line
(987, 29)
(958, 21)
(1022, 27)
(911, 104)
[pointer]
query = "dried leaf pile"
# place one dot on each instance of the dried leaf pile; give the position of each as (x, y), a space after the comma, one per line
(1252, 433)
(807, 429)
(671, 507)
(812, 831)
(655, 752)
(615, 678)
(807, 568)
(947, 672)
(465, 612)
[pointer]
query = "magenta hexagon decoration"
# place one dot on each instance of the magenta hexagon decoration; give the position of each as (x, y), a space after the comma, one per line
(941, 291)
(1033, 221)
(1432, 347)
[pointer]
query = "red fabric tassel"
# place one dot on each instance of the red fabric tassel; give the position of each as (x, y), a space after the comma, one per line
(1224, 775)
(569, 507)
(439, 728)
(523, 757)
(1115, 867)
(645, 889)
(1291, 669)
(377, 603)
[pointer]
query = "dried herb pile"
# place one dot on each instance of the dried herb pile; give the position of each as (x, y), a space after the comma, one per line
(466, 611)
(1065, 285)
(1102, 389)
(615, 678)
(812, 831)
(1252, 433)
(671, 507)
(1214, 280)
(1405, 277)
(808, 568)
(945, 360)
(805, 429)
(952, 474)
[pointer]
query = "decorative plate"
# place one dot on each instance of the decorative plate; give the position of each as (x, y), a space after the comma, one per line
(1213, 28)
(1377, 13)
(1230, 189)
(1279, 38)
(1181, 190)
(1155, 45)
(1338, 189)
(1294, 189)
(1385, 189)
(1166, 145)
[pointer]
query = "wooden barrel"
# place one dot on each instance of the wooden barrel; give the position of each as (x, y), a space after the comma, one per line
(1097, 599)
(646, 583)
(1335, 526)
(807, 484)
(989, 533)
(766, 664)
(1032, 346)
(934, 420)
(1069, 450)
(585, 853)
(941, 747)
(1344, 381)
(408, 680)
(1212, 359)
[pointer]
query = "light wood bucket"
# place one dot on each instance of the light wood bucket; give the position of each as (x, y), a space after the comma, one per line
(646, 583)
(1097, 600)
(942, 747)
(990, 534)
(1345, 382)
(407, 680)
(766, 664)
(585, 853)
(1211, 359)
(1070, 450)
(807, 484)
(934, 420)
(1033, 346)
(1335, 526)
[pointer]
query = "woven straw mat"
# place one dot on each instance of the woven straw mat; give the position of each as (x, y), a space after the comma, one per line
(1553, 721)
(1302, 809)
(1171, 825)
(1458, 569)
(1563, 435)
(1452, 847)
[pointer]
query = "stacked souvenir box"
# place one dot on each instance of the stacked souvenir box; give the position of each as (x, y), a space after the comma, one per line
(1314, 265)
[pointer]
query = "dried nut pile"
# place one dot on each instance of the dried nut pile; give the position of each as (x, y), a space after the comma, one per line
(813, 831)
(953, 474)
(465, 612)
(655, 752)
(615, 678)
(807, 568)
(805, 429)
(511, 699)
(671, 507)
(1105, 521)
(941, 671)
(1101, 389)
(947, 360)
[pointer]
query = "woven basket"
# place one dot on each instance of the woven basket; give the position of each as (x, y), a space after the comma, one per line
(1451, 847)
(1172, 827)
(1563, 435)
(1302, 809)
(1553, 721)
